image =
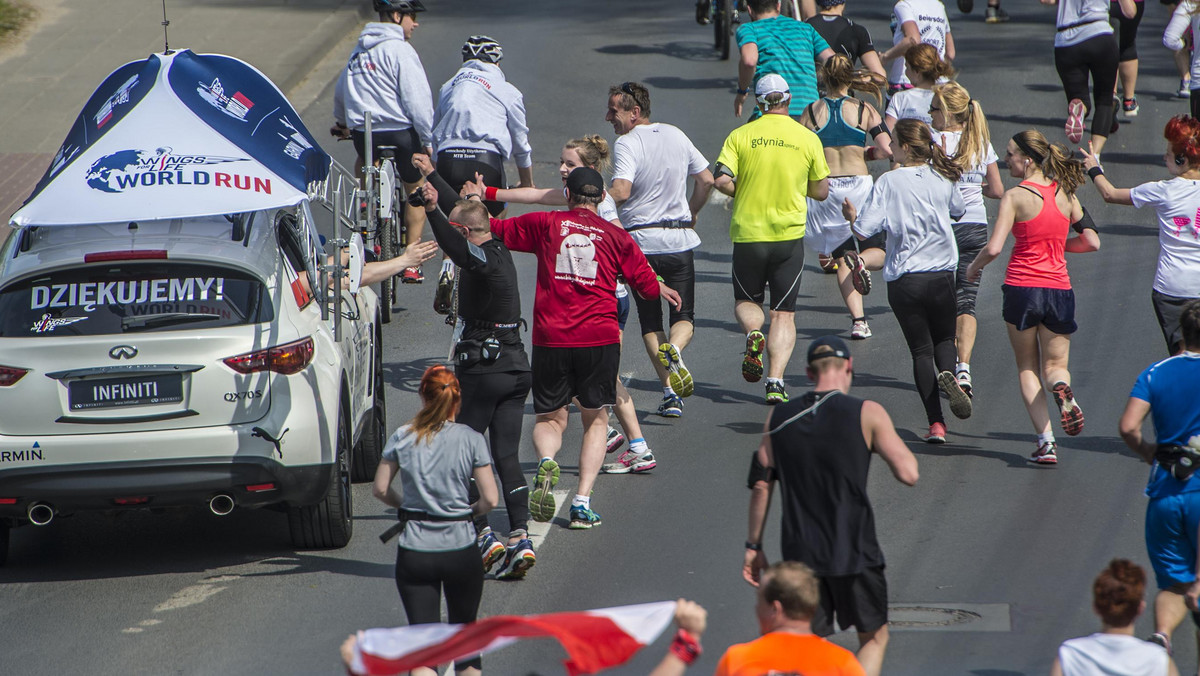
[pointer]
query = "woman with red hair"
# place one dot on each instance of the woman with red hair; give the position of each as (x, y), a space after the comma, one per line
(436, 459)
(1117, 599)
(1177, 203)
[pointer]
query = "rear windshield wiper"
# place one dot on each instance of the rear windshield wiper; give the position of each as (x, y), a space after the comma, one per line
(164, 319)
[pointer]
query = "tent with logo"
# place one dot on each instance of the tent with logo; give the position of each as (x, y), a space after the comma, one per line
(178, 135)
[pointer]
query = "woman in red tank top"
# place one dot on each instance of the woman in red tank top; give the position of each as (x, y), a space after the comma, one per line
(1039, 305)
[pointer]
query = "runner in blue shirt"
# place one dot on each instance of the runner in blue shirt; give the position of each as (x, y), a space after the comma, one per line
(772, 43)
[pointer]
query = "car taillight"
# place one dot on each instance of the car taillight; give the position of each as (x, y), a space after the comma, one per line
(10, 375)
(139, 255)
(285, 359)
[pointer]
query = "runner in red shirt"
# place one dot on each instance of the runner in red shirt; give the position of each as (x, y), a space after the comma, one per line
(576, 340)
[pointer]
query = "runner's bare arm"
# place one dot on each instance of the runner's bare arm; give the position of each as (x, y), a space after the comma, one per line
(760, 503)
(881, 438)
(1130, 428)
(746, 66)
(818, 190)
(692, 618)
(620, 190)
(702, 185)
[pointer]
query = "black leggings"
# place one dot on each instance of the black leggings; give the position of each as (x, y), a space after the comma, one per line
(422, 577)
(496, 402)
(1096, 57)
(1126, 30)
(924, 305)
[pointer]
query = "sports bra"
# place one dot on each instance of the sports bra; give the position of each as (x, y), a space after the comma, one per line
(835, 133)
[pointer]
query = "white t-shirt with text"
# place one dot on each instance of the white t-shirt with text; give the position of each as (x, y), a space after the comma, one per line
(971, 183)
(931, 20)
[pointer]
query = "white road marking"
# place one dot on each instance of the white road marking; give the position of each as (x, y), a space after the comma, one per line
(189, 596)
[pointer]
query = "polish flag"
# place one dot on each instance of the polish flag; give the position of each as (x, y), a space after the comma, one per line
(594, 639)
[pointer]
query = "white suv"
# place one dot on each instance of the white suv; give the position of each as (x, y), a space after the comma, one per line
(185, 362)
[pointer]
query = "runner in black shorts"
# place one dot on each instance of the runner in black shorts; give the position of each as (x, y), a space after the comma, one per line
(757, 265)
(459, 165)
(404, 142)
(589, 373)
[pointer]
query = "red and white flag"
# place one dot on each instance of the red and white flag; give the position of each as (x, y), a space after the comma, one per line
(594, 639)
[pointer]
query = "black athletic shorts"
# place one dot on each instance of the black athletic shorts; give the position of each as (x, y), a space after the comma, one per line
(1168, 309)
(560, 373)
(858, 601)
(876, 241)
(406, 142)
(459, 165)
(1028, 306)
(757, 265)
(678, 271)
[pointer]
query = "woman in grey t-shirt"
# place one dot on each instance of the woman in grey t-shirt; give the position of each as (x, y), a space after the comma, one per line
(436, 459)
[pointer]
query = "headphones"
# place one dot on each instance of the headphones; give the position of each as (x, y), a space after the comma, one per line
(1181, 160)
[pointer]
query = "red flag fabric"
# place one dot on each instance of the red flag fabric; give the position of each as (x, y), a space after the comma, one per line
(593, 639)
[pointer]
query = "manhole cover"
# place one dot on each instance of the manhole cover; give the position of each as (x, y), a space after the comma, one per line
(915, 617)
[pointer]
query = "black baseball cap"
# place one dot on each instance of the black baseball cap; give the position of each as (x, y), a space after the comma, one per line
(838, 348)
(585, 182)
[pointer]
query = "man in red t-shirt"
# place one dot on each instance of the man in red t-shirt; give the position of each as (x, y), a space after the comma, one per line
(576, 340)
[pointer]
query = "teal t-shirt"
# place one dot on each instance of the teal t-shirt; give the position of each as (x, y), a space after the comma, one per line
(789, 48)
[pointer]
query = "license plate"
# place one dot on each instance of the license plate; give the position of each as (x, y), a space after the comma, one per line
(114, 392)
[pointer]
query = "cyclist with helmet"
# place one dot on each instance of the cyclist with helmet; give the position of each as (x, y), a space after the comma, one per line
(479, 123)
(384, 75)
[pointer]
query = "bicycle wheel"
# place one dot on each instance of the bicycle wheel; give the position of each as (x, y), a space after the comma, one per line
(723, 27)
(387, 251)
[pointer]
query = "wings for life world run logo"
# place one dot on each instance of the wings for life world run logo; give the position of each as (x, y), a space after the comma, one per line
(129, 169)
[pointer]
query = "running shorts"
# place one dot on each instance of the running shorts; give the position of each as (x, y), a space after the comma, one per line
(459, 165)
(757, 265)
(1028, 306)
(406, 142)
(858, 601)
(970, 238)
(678, 271)
(876, 241)
(825, 226)
(1171, 525)
(589, 373)
(1168, 309)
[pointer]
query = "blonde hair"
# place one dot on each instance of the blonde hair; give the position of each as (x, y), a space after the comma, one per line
(925, 61)
(957, 105)
(592, 150)
(1054, 159)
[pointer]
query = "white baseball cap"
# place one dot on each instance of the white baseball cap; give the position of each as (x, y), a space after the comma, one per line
(771, 83)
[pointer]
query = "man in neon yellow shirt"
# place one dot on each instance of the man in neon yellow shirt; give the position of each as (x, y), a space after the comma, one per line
(770, 165)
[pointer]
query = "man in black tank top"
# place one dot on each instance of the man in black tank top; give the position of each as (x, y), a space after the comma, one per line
(818, 446)
(844, 36)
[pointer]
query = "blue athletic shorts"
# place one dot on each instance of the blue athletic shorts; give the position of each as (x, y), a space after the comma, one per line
(1028, 306)
(1171, 526)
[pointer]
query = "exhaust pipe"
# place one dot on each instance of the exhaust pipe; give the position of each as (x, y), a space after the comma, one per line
(221, 505)
(40, 514)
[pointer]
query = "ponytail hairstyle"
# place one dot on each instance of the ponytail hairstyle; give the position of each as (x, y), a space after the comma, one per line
(838, 73)
(924, 61)
(440, 398)
(1054, 159)
(593, 151)
(914, 136)
(1117, 592)
(957, 105)
(1183, 135)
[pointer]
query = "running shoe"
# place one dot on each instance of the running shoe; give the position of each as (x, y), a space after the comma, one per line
(960, 403)
(860, 277)
(1046, 454)
(1185, 90)
(704, 12)
(541, 500)
(444, 296)
(1162, 640)
(679, 378)
(1068, 408)
(964, 382)
(630, 462)
(995, 15)
(937, 434)
(412, 276)
(965, 6)
(519, 560)
(490, 549)
(583, 517)
(860, 330)
(671, 406)
(752, 365)
(1130, 107)
(615, 440)
(776, 394)
(1074, 126)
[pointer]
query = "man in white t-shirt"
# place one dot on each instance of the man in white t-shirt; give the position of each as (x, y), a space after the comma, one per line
(652, 164)
(915, 22)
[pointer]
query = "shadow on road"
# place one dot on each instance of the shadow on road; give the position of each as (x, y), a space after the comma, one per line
(689, 51)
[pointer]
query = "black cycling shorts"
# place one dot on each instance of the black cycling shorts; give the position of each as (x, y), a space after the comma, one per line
(678, 271)
(858, 601)
(459, 165)
(406, 142)
(589, 373)
(1028, 306)
(757, 265)
(876, 241)
(970, 238)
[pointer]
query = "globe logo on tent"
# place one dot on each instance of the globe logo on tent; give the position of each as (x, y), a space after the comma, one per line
(126, 169)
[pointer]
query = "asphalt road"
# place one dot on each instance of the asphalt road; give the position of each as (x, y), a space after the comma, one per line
(189, 593)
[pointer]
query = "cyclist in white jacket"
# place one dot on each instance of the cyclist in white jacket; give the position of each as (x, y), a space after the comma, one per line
(384, 75)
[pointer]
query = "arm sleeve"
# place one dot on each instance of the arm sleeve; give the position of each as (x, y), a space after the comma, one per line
(447, 195)
(636, 269)
(416, 100)
(958, 205)
(893, 107)
(904, 13)
(1177, 26)
(745, 35)
(819, 44)
(624, 164)
(696, 161)
(729, 156)
(518, 129)
(1141, 388)
(818, 168)
(871, 216)
(481, 457)
(863, 37)
(1146, 194)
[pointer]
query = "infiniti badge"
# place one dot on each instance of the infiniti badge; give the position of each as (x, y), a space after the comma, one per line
(123, 352)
